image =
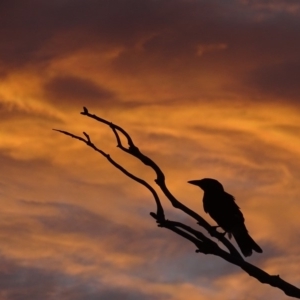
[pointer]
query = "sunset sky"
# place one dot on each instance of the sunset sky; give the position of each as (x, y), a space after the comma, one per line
(206, 88)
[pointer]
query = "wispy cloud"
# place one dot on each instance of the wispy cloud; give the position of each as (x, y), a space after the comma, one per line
(205, 88)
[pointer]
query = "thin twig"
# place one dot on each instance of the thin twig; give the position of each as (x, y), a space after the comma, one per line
(160, 211)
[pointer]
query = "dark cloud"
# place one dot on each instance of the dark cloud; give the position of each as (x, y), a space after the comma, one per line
(278, 80)
(188, 24)
(274, 6)
(19, 281)
(177, 28)
(75, 91)
(179, 40)
(78, 91)
(32, 25)
(23, 31)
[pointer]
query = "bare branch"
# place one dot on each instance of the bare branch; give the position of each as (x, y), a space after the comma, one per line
(203, 243)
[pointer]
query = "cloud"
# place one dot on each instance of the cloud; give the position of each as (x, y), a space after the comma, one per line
(69, 219)
(154, 47)
(21, 281)
(78, 91)
(273, 6)
(206, 88)
(202, 49)
(13, 112)
(277, 80)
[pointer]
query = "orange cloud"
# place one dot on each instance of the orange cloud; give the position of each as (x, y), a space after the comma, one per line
(206, 89)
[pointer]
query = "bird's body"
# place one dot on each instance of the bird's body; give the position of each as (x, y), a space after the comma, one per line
(222, 208)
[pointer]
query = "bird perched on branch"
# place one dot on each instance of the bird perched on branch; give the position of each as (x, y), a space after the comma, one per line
(222, 208)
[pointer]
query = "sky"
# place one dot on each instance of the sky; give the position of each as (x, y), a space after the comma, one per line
(205, 89)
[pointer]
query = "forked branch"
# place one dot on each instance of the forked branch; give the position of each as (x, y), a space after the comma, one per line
(204, 244)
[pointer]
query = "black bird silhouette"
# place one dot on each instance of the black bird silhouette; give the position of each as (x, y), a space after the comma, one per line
(222, 208)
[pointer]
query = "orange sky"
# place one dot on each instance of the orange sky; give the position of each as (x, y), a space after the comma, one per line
(205, 88)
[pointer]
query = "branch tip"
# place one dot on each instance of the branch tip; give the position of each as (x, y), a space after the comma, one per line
(87, 136)
(85, 111)
(56, 130)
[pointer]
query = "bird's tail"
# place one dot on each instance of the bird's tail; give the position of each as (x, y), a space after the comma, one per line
(246, 243)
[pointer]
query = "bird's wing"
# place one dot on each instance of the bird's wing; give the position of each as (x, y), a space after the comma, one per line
(232, 207)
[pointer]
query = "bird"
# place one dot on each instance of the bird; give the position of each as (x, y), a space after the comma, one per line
(222, 208)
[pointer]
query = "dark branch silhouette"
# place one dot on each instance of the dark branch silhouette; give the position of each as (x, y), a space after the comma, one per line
(203, 243)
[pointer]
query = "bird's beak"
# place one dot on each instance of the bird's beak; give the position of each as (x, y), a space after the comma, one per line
(195, 182)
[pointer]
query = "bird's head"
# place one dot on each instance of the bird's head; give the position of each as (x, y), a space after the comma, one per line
(208, 184)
